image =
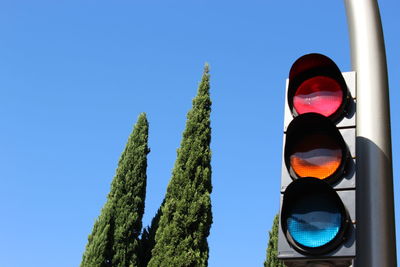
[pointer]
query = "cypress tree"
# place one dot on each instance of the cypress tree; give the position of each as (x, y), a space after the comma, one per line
(181, 237)
(272, 251)
(115, 237)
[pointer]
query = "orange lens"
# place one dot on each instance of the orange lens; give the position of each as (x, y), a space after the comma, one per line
(316, 155)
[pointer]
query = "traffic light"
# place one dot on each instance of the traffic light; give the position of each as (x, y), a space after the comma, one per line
(317, 215)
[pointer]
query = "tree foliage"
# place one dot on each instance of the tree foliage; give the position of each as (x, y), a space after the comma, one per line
(148, 239)
(114, 240)
(272, 251)
(181, 237)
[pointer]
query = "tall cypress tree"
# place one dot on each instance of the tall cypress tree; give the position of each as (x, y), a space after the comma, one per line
(181, 238)
(115, 237)
(272, 251)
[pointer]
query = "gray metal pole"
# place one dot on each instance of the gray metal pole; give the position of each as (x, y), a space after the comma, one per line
(376, 241)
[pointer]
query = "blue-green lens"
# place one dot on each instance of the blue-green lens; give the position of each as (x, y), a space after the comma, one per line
(314, 220)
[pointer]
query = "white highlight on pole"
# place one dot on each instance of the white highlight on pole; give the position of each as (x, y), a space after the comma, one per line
(376, 242)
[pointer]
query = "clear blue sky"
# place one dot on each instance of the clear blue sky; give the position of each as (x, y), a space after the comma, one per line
(74, 76)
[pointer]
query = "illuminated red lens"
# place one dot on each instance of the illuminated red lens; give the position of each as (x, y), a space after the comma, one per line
(319, 94)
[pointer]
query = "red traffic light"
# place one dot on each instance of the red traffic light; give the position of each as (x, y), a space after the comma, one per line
(318, 172)
(317, 85)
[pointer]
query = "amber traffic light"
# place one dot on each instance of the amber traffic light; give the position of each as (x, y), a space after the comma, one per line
(315, 148)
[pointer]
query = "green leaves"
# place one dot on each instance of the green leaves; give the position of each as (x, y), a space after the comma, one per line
(178, 233)
(181, 238)
(272, 251)
(115, 237)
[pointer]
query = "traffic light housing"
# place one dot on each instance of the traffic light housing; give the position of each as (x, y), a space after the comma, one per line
(317, 215)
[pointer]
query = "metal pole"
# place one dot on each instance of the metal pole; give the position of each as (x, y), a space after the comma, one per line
(376, 241)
